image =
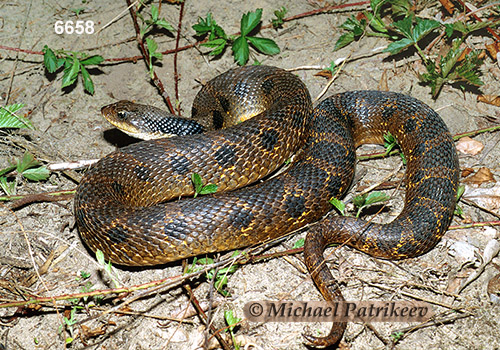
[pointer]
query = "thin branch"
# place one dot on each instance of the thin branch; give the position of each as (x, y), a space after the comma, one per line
(156, 80)
(176, 73)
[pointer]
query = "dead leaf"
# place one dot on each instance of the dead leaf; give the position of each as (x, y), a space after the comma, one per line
(466, 172)
(448, 5)
(490, 99)
(382, 84)
(488, 198)
(467, 145)
(493, 49)
(92, 333)
(465, 52)
(483, 175)
(324, 73)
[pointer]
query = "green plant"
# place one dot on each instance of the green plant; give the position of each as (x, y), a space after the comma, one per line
(356, 27)
(332, 68)
(199, 188)
(218, 40)
(280, 16)
(68, 324)
(9, 118)
(396, 21)
(26, 167)
(299, 243)
(367, 199)
(108, 268)
(83, 275)
(77, 10)
(396, 336)
(152, 46)
(458, 209)
(339, 205)
(360, 202)
(219, 276)
(74, 63)
(389, 143)
(154, 21)
(232, 321)
(456, 66)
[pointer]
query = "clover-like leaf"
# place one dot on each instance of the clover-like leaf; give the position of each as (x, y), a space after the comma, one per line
(264, 45)
(249, 21)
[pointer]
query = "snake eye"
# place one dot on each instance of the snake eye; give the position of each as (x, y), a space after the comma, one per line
(121, 114)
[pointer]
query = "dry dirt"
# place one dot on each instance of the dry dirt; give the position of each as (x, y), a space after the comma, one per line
(69, 128)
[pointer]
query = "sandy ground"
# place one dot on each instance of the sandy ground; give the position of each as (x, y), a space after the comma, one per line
(69, 128)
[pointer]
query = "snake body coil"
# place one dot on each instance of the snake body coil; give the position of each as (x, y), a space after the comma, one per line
(124, 206)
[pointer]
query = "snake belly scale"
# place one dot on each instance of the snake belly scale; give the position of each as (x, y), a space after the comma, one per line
(126, 205)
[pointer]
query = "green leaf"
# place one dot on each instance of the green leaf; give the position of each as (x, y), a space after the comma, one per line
(249, 21)
(208, 189)
(96, 59)
(359, 201)
(220, 284)
(9, 118)
(199, 188)
(404, 27)
(205, 26)
(376, 197)
(299, 243)
(375, 22)
(423, 27)
(468, 69)
(162, 23)
(450, 60)
(344, 40)
(152, 46)
(231, 320)
(264, 45)
(8, 187)
(280, 15)
(154, 13)
(376, 5)
(240, 50)
(217, 45)
(37, 174)
(198, 184)
(352, 24)
(401, 8)
(87, 81)
(71, 73)
(466, 28)
(398, 46)
(7, 170)
(389, 142)
(333, 68)
(460, 192)
(448, 29)
(28, 161)
(205, 261)
(50, 59)
(338, 204)
(99, 255)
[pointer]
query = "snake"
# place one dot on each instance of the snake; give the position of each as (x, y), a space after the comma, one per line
(139, 207)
